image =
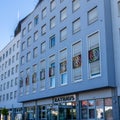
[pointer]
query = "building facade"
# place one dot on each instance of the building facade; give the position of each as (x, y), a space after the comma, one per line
(67, 67)
(9, 71)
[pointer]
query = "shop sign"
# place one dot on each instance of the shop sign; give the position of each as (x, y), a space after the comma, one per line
(68, 98)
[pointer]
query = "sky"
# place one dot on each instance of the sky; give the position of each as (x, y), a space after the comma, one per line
(11, 11)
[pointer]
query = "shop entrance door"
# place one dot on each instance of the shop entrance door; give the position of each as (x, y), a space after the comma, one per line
(67, 113)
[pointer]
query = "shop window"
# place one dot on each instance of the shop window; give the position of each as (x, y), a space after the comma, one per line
(76, 61)
(92, 15)
(76, 25)
(63, 14)
(94, 54)
(75, 4)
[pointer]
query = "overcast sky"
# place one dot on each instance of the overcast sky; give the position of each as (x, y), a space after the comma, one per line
(11, 11)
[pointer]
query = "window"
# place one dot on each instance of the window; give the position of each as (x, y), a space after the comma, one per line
(29, 26)
(8, 73)
(35, 52)
(23, 32)
(63, 14)
(76, 61)
(14, 47)
(43, 47)
(11, 83)
(63, 67)
(75, 4)
(52, 22)
(94, 54)
(42, 74)
(13, 59)
(52, 41)
(34, 78)
(16, 80)
(52, 5)
(28, 41)
(119, 8)
(6, 53)
(18, 43)
(36, 36)
(12, 71)
(28, 56)
(17, 55)
(23, 46)
(36, 20)
(44, 13)
(11, 95)
(43, 29)
(9, 63)
(10, 50)
(7, 96)
(92, 15)
(76, 25)
(52, 71)
(22, 60)
(63, 34)
(16, 68)
(15, 94)
(61, 0)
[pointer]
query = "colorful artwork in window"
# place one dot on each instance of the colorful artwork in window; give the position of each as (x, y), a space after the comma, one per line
(51, 71)
(93, 55)
(77, 61)
(63, 66)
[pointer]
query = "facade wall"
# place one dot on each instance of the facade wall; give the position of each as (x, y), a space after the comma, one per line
(66, 61)
(9, 71)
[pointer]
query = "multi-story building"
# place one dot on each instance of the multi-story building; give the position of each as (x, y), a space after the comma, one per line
(67, 61)
(9, 71)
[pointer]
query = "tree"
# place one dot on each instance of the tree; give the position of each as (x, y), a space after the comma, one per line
(4, 112)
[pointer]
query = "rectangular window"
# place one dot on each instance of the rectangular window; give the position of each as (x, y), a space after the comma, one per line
(14, 47)
(43, 47)
(16, 68)
(44, 12)
(76, 61)
(17, 55)
(18, 43)
(23, 32)
(63, 34)
(52, 71)
(94, 54)
(52, 5)
(13, 59)
(42, 75)
(35, 52)
(52, 41)
(36, 20)
(119, 8)
(75, 4)
(28, 41)
(36, 36)
(76, 25)
(63, 14)
(22, 60)
(29, 26)
(92, 15)
(28, 56)
(52, 22)
(23, 46)
(43, 29)
(63, 67)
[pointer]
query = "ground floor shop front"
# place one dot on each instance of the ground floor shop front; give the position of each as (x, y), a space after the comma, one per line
(92, 105)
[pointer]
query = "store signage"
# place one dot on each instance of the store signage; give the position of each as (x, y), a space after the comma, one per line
(68, 98)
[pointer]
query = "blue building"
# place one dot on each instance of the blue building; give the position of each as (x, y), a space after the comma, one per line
(67, 69)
